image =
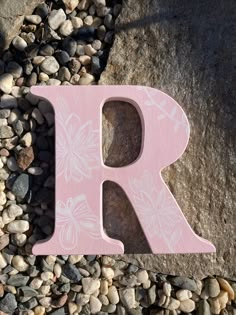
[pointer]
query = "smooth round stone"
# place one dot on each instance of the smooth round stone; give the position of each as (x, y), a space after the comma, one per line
(99, 3)
(15, 69)
(212, 287)
(39, 310)
(45, 107)
(57, 270)
(101, 32)
(32, 80)
(12, 164)
(183, 283)
(90, 285)
(56, 18)
(35, 19)
(75, 79)
(21, 187)
(66, 28)
(28, 37)
(97, 21)
(85, 60)
(69, 45)
(187, 306)
(53, 82)
(62, 57)
(80, 50)
(92, 10)
(224, 284)
(19, 264)
(19, 239)
(96, 68)
(42, 10)
(70, 5)
(6, 132)
(47, 275)
(95, 305)
(8, 101)
(64, 74)
(18, 226)
(16, 92)
(36, 171)
(43, 77)
(108, 21)
(6, 83)
(86, 79)
(107, 272)
(89, 50)
(88, 20)
(113, 295)
(74, 65)
(86, 33)
(77, 22)
(166, 288)
(36, 283)
(46, 50)
(127, 297)
(49, 66)
(97, 44)
(38, 60)
(19, 43)
(103, 11)
(109, 37)
(183, 295)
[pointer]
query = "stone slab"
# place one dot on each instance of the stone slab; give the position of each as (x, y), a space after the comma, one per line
(183, 48)
(11, 18)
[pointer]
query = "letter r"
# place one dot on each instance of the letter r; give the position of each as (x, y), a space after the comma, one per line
(80, 171)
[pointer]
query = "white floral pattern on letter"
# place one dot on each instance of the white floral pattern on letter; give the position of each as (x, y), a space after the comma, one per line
(73, 218)
(77, 148)
(157, 210)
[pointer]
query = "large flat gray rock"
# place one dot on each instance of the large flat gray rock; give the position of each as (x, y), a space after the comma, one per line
(11, 18)
(183, 48)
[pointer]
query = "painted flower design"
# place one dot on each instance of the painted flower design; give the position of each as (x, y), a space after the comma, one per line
(157, 210)
(75, 217)
(77, 146)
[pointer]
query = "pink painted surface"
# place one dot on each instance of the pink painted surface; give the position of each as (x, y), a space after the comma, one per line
(80, 171)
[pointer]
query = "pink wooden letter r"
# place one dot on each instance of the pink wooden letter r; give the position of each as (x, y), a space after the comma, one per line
(80, 171)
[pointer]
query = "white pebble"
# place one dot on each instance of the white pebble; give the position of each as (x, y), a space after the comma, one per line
(183, 295)
(89, 50)
(6, 83)
(70, 5)
(90, 285)
(3, 199)
(47, 275)
(19, 239)
(19, 264)
(142, 276)
(107, 272)
(113, 295)
(88, 20)
(57, 270)
(66, 28)
(127, 297)
(36, 283)
(56, 18)
(3, 262)
(14, 211)
(19, 43)
(86, 79)
(50, 65)
(34, 170)
(77, 22)
(18, 226)
(27, 139)
(187, 306)
(35, 19)
(85, 60)
(95, 305)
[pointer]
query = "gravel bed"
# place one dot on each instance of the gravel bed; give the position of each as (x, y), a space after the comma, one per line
(67, 43)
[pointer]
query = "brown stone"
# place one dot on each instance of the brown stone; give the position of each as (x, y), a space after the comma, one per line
(183, 49)
(60, 301)
(25, 157)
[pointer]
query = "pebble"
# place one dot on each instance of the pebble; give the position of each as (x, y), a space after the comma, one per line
(85, 60)
(71, 272)
(19, 264)
(99, 3)
(15, 69)
(203, 308)
(19, 43)
(187, 306)
(8, 101)
(56, 18)
(18, 226)
(224, 284)
(218, 303)
(184, 283)
(35, 19)
(127, 297)
(95, 304)
(42, 10)
(62, 57)
(3, 262)
(39, 310)
(36, 283)
(64, 74)
(14, 211)
(50, 65)
(69, 45)
(90, 285)
(25, 157)
(6, 132)
(36, 171)
(66, 28)
(3, 199)
(21, 186)
(113, 295)
(82, 299)
(18, 280)
(86, 79)
(89, 50)
(27, 140)
(183, 295)
(107, 272)
(4, 241)
(6, 83)
(8, 303)
(70, 5)
(77, 22)
(19, 239)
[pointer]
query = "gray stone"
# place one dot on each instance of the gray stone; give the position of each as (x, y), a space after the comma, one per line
(19, 43)
(8, 101)
(60, 311)
(8, 304)
(71, 272)
(27, 291)
(15, 69)
(203, 308)
(184, 283)
(35, 19)
(174, 56)
(18, 280)
(21, 185)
